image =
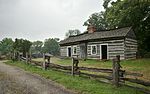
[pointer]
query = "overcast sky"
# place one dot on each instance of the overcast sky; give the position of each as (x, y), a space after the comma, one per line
(41, 19)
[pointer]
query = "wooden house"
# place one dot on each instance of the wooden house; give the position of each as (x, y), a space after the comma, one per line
(101, 44)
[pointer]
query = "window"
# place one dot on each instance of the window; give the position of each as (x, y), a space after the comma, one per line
(93, 49)
(75, 50)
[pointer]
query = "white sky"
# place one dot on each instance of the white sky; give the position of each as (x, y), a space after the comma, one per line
(41, 19)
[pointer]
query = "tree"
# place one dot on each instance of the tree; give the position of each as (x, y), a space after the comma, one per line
(18, 45)
(73, 33)
(51, 46)
(36, 47)
(57, 39)
(122, 13)
(133, 13)
(26, 45)
(106, 3)
(6, 46)
(21, 45)
(97, 20)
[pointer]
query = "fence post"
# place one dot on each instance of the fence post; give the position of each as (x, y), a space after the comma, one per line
(30, 56)
(44, 62)
(116, 68)
(76, 67)
(26, 57)
(72, 72)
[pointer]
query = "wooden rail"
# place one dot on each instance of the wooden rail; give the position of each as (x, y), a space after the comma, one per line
(145, 83)
(96, 69)
(116, 74)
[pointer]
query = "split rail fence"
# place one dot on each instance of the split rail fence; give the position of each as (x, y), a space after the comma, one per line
(115, 75)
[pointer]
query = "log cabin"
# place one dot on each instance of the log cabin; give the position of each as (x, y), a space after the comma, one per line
(97, 44)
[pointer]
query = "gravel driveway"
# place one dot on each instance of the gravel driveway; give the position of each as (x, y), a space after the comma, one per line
(14, 80)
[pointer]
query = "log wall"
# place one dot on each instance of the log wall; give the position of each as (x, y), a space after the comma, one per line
(130, 48)
(126, 48)
(64, 52)
(115, 47)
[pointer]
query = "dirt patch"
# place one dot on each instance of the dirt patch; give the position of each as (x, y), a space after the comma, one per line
(8, 85)
(14, 80)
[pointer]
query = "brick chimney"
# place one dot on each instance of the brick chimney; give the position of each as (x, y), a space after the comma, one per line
(91, 29)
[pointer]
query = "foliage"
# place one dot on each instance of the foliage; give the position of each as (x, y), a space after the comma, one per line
(122, 13)
(105, 4)
(36, 47)
(51, 46)
(57, 39)
(97, 20)
(135, 13)
(73, 32)
(21, 45)
(6, 46)
(78, 84)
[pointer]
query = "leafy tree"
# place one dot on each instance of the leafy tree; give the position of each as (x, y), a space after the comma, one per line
(51, 46)
(57, 39)
(106, 3)
(122, 13)
(6, 46)
(26, 46)
(21, 45)
(18, 45)
(97, 20)
(37, 46)
(135, 13)
(73, 32)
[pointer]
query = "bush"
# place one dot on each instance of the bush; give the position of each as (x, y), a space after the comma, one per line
(147, 55)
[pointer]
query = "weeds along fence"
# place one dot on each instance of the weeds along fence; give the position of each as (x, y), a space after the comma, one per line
(115, 76)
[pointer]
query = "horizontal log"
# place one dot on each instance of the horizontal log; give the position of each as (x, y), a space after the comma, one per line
(129, 39)
(52, 65)
(134, 74)
(37, 63)
(96, 69)
(130, 42)
(109, 41)
(131, 45)
(145, 83)
(59, 70)
(116, 44)
(96, 76)
(144, 90)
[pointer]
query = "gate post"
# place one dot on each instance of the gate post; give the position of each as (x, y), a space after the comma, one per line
(26, 57)
(75, 68)
(116, 68)
(44, 62)
(72, 72)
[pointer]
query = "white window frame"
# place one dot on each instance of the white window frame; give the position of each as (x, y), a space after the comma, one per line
(76, 50)
(91, 49)
(101, 51)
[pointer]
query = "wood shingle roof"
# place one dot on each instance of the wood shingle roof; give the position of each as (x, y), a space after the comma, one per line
(122, 32)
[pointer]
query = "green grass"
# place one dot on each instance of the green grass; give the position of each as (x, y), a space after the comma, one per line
(78, 84)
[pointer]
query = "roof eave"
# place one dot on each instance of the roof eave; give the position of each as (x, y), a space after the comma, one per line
(90, 40)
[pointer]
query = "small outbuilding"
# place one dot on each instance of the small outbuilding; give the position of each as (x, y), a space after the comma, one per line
(96, 44)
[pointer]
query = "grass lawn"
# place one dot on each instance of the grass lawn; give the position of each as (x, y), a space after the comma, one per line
(78, 84)
(138, 65)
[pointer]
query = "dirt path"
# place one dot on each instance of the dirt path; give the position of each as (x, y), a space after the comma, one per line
(14, 80)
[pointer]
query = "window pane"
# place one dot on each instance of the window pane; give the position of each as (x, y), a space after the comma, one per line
(93, 49)
(75, 50)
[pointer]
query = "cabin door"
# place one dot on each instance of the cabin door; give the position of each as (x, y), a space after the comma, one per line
(69, 51)
(83, 50)
(103, 51)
